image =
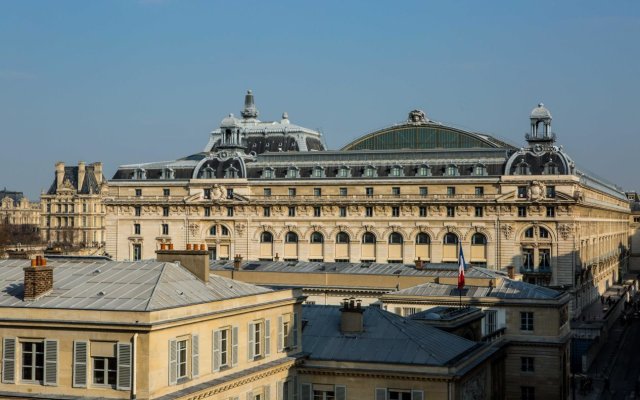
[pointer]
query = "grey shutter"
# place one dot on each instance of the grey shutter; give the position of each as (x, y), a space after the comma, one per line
(124, 366)
(417, 395)
(306, 391)
(9, 360)
(295, 329)
(234, 346)
(295, 387)
(341, 392)
(195, 356)
(173, 362)
(251, 329)
(267, 337)
(80, 354)
(51, 362)
(216, 351)
(281, 344)
(267, 392)
(381, 394)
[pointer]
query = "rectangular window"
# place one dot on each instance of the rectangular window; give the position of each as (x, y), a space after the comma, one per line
(527, 393)
(522, 211)
(343, 191)
(207, 211)
(544, 258)
(526, 364)
(551, 191)
(396, 394)
(165, 211)
(317, 192)
(317, 211)
(182, 360)
(451, 211)
(343, 212)
(33, 361)
(229, 211)
(258, 335)
(369, 211)
(551, 211)
(522, 192)
(138, 192)
(165, 229)
(395, 211)
(451, 191)
(207, 193)
(266, 211)
(369, 191)
(229, 193)
(423, 211)
(137, 252)
(225, 335)
(526, 321)
(137, 210)
(136, 229)
(166, 192)
(292, 192)
(490, 321)
(104, 371)
(266, 192)
(395, 191)
(479, 191)
(292, 211)
(424, 191)
(479, 212)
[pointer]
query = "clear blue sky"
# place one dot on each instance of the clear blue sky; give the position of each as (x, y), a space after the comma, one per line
(133, 81)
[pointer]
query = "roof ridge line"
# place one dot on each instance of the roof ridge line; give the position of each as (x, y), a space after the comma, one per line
(155, 287)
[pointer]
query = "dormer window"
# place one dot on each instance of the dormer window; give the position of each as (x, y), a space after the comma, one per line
(479, 170)
(293, 172)
(140, 173)
(370, 171)
(550, 168)
(523, 169)
(451, 170)
(168, 173)
(267, 173)
(318, 172)
(207, 173)
(424, 170)
(231, 172)
(344, 172)
(397, 170)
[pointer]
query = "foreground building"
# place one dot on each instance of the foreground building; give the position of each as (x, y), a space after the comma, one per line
(415, 190)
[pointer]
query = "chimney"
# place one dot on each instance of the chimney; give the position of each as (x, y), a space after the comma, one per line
(510, 272)
(419, 264)
(277, 257)
(97, 172)
(237, 260)
(59, 174)
(196, 261)
(351, 317)
(81, 173)
(38, 279)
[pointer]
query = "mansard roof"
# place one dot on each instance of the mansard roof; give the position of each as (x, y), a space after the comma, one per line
(89, 186)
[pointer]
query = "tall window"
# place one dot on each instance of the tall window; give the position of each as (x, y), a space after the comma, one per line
(165, 229)
(551, 211)
(527, 364)
(136, 229)
(33, 361)
(266, 211)
(291, 237)
(104, 370)
(368, 211)
(292, 211)
(479, 211)
(450, 247)
(137, 252)
(423, 211)
(182, 360)
(395, 211)
(165, 211)
(138, 192)
(317, 211)
(490, 321)
(451, 211)
(207, 211)
(230, 211)
(316, 237)
(343, 212)
(522, 211)
(137, 211)
(526, 321)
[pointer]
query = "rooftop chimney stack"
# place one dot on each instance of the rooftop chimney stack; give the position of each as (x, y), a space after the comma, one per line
(419, 264)
(97, 172)
(237, 260)
(38, 279)
(81, 174)
(511, 272)
(352, 318)
(195, 261)
(59, 174)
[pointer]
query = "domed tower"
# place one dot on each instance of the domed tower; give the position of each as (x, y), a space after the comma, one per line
(540, 125)
(232, 133)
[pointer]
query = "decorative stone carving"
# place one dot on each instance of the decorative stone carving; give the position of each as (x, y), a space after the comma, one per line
(507, 230)
(193, 229)
(240, 227)
(565, 231)
(218, 192)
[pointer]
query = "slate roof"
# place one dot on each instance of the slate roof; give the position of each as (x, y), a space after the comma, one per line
(89, 186)
(119, 286)
(387, 338)
(504, 289)
(15, 196)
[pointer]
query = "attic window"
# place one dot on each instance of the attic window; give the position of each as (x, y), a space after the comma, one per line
(318, 172)
(550, 168)
(479, 170)
(207, 173)
(267, 173)
(344, 172)
(523, 169)
(396, 170)
(293, 172)
(370, 171)
(168, 173)
(452, 170)
(231, 173)
(140, 173)
(424, 170)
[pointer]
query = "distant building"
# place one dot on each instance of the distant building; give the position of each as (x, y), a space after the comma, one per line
(16, 209)
(73, 209)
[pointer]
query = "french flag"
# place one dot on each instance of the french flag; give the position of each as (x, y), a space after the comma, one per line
(461, 268)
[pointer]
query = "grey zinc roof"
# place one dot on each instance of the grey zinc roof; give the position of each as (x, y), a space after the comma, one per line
(504, 289)
(119, 286)
(433, 269)
(387, 338)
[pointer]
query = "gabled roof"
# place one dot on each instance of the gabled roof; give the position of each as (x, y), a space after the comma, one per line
(119, 286)
(387, 338)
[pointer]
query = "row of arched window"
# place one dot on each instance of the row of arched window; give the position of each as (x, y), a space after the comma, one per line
(368, 237)
(371, 171)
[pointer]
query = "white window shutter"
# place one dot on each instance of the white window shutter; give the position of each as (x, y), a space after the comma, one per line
(281, 344)
(295, 329)
(381, 394)
(306, 391)
(417, 395)
(9, 360)
(124, 362)
(80, 356)
(267, 337)
(250, 346)
(341, 392)
(267, 392)
(234, 346)
(51, 362)
(195, 355)
(216, 351)
(173, 362)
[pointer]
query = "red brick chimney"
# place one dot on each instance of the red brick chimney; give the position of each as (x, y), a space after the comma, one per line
(237, 260)
(419, 264)
(38, 279)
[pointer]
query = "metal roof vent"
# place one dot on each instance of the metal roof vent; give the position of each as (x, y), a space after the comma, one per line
(365, 265)
(97, 271)
(180, 292)
(101, 293)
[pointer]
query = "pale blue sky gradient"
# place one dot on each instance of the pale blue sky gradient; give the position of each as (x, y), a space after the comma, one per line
(134, 81)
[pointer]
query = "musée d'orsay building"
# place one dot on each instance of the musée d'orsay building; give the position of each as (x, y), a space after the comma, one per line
(415, 190)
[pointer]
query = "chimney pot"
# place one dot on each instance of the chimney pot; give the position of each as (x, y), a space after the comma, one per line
(34, 262)
(188, 246)
(510, 272)
(170, 246)
(277, 257)
(419, 264)
(352, 316)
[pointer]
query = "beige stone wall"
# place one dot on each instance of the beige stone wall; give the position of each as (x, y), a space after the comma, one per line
(22, 213)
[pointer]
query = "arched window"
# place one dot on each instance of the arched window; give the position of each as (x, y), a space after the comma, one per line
(213, 231)
(316, 247)
(450, 248)
(291, 237)
(529, 233)
(224, 230)
(342, 237)
(316, 237)
(450, 238)
(266, 237)
(369, 238)
(395, 238)
(544, 234)
(423, 238)
(478, 239)
(423, 242)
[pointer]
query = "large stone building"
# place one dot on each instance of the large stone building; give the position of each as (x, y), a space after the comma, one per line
(415, 190)
(16, 209)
